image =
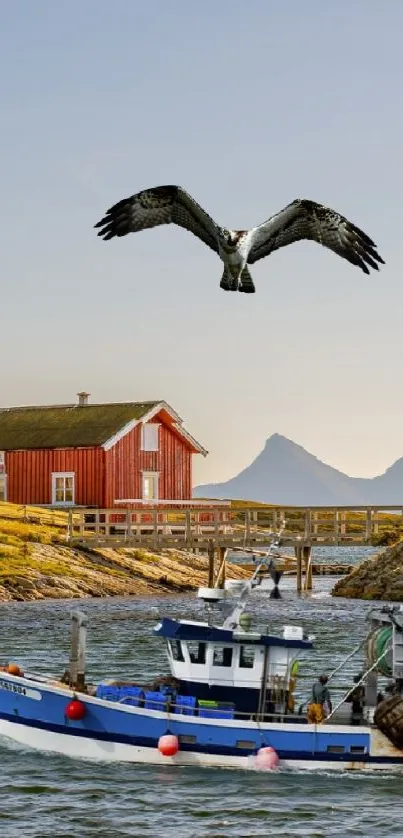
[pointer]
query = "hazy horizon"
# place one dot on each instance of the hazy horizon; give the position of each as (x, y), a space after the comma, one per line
(247, 106)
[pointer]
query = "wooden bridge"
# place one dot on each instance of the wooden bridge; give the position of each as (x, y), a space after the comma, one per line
(231, 524)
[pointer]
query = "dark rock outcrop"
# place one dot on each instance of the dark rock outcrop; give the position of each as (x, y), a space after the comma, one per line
(380, 577)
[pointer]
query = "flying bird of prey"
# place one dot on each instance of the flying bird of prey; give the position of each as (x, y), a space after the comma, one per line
(302, 219)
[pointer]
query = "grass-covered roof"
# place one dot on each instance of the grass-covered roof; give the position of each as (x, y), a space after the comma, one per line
(66, 426)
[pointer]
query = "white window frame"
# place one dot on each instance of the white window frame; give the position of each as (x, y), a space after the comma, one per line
(146, 445)
(144, 476)
(3, 476)
(58, 474)
(2, 462)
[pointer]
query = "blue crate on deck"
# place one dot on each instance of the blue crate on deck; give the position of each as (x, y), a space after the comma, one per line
(108, 692)
(131, 695)
(185, 704)
(155, 701)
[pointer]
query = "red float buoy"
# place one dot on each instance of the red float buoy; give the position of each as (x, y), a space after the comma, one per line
(14, 669)
(75, 710)
(168, 745)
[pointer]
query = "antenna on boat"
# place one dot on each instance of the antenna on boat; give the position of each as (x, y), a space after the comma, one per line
(215, 594)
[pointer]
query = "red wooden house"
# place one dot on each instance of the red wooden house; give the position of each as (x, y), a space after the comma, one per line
(95, 454)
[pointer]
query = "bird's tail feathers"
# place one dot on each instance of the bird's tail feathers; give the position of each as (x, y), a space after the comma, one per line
(228, 283)
(246, 284)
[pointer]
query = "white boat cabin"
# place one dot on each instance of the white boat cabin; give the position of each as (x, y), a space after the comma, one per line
(200, 653)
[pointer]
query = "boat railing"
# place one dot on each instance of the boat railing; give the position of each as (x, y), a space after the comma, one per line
(171, 708)
(360, 682)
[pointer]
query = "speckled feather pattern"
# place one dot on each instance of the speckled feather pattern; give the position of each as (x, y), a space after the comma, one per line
(302, 219)
(153, 207)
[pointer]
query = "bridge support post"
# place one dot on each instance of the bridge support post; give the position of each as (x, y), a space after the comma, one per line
(210, 553)
(298, 554)
(308, 567)
(221, 554)
(303, 553)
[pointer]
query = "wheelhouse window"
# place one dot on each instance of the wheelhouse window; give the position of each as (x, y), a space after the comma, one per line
(222, 656)
(246, 657)
(150, 485)
(197, 651)
(149, 436)
(63, 488)
(176, 650)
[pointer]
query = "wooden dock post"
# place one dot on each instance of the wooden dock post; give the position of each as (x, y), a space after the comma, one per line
(220, 580)
(128, 525)
(247, 528)
(211, 552)
(298, 553)
(307, 549)
(155, 529)
(188, 530)
(303, 554)
(70, 527)
(77, 650)
(368, 526)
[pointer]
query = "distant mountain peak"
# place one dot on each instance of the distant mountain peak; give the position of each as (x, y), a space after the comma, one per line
(277, 440)
(286, 473)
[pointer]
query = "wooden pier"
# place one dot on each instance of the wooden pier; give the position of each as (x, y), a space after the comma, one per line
(231, 525)
(216, 528)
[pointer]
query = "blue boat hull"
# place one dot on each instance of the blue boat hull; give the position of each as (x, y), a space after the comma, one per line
(34, 714)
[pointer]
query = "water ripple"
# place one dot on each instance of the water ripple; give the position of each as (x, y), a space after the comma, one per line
(48, 796)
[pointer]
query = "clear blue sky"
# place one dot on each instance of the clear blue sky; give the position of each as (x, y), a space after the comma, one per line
(247, 105)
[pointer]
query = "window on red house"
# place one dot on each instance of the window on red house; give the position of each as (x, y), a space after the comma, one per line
(63, 488)
(149, 437)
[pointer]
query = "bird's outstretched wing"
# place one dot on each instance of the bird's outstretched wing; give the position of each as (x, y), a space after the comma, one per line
(303, 219)
(159, 205)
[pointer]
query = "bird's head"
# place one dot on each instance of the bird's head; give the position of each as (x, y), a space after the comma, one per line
(225, 234)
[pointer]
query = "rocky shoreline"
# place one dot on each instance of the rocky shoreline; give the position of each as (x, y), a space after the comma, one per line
(64, 573)
(380, 577)
(36, 562)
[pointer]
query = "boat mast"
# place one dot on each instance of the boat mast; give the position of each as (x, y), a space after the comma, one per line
(267, 558)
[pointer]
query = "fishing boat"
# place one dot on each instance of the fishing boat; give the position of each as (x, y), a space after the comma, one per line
(227, 699)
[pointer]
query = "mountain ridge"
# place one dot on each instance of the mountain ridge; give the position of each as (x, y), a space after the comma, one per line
(286, 473)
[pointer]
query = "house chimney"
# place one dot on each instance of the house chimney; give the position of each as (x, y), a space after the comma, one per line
(82, 398)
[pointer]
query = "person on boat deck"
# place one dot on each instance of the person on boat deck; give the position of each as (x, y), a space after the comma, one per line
(357, 698)
(321, 704)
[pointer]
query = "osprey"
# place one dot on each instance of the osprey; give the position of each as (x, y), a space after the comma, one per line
(302, 219)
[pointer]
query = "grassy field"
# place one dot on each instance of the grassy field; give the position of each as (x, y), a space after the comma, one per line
(22, 526)
(37, 563)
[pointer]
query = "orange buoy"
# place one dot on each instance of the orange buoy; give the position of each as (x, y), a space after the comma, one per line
(14, 669)
(75, 710)
(168, 745)
(266, 759)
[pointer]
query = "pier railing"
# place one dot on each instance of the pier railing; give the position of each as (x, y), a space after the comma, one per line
(232, 525)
